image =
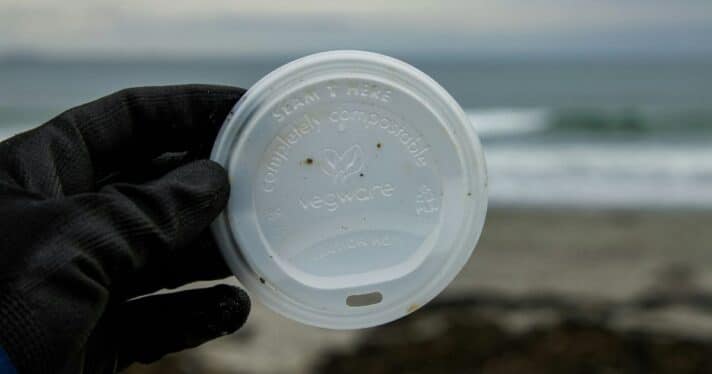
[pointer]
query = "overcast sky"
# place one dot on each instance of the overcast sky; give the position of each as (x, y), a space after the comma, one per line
(227, 28)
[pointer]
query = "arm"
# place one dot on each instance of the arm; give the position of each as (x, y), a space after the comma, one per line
(6, 366)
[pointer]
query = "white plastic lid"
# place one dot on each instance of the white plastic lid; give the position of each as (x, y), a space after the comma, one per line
(358, 189)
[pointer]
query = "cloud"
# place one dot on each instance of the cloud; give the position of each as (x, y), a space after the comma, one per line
(232, 28)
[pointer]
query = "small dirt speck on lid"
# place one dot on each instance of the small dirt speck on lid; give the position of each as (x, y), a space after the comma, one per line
(360, 175)
(309, 161)
(379, 145)
(262, 280)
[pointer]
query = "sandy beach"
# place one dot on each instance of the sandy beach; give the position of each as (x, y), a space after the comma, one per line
(605, 287)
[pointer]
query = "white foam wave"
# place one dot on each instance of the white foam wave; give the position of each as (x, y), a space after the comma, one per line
(506, 121)
(601, 175)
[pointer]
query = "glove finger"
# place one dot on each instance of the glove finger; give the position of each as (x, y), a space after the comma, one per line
(83, 145)
(147, 171)
(157, 325)
(126, 227)
(200, 261)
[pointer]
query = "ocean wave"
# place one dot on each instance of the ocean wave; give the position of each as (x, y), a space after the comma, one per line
(508, 121)
(631, 120)
(639, 165)
(495, 123)
(601, 174)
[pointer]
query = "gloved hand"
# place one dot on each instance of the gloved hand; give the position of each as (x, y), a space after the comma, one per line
(106, 202)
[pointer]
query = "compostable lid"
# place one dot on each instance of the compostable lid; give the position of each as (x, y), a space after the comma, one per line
(358, 189)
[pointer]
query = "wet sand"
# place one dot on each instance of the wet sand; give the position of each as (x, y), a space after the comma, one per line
(631, 289)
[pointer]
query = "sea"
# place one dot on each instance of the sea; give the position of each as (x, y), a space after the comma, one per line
(590, 133)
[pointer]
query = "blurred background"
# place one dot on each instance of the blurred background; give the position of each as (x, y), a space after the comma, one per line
(596, 118)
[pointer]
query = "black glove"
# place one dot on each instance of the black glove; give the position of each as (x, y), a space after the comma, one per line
(106, 202)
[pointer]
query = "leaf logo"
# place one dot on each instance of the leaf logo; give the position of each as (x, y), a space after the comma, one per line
(341, 166)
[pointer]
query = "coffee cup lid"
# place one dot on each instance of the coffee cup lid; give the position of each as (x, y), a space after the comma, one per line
(358, 189)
